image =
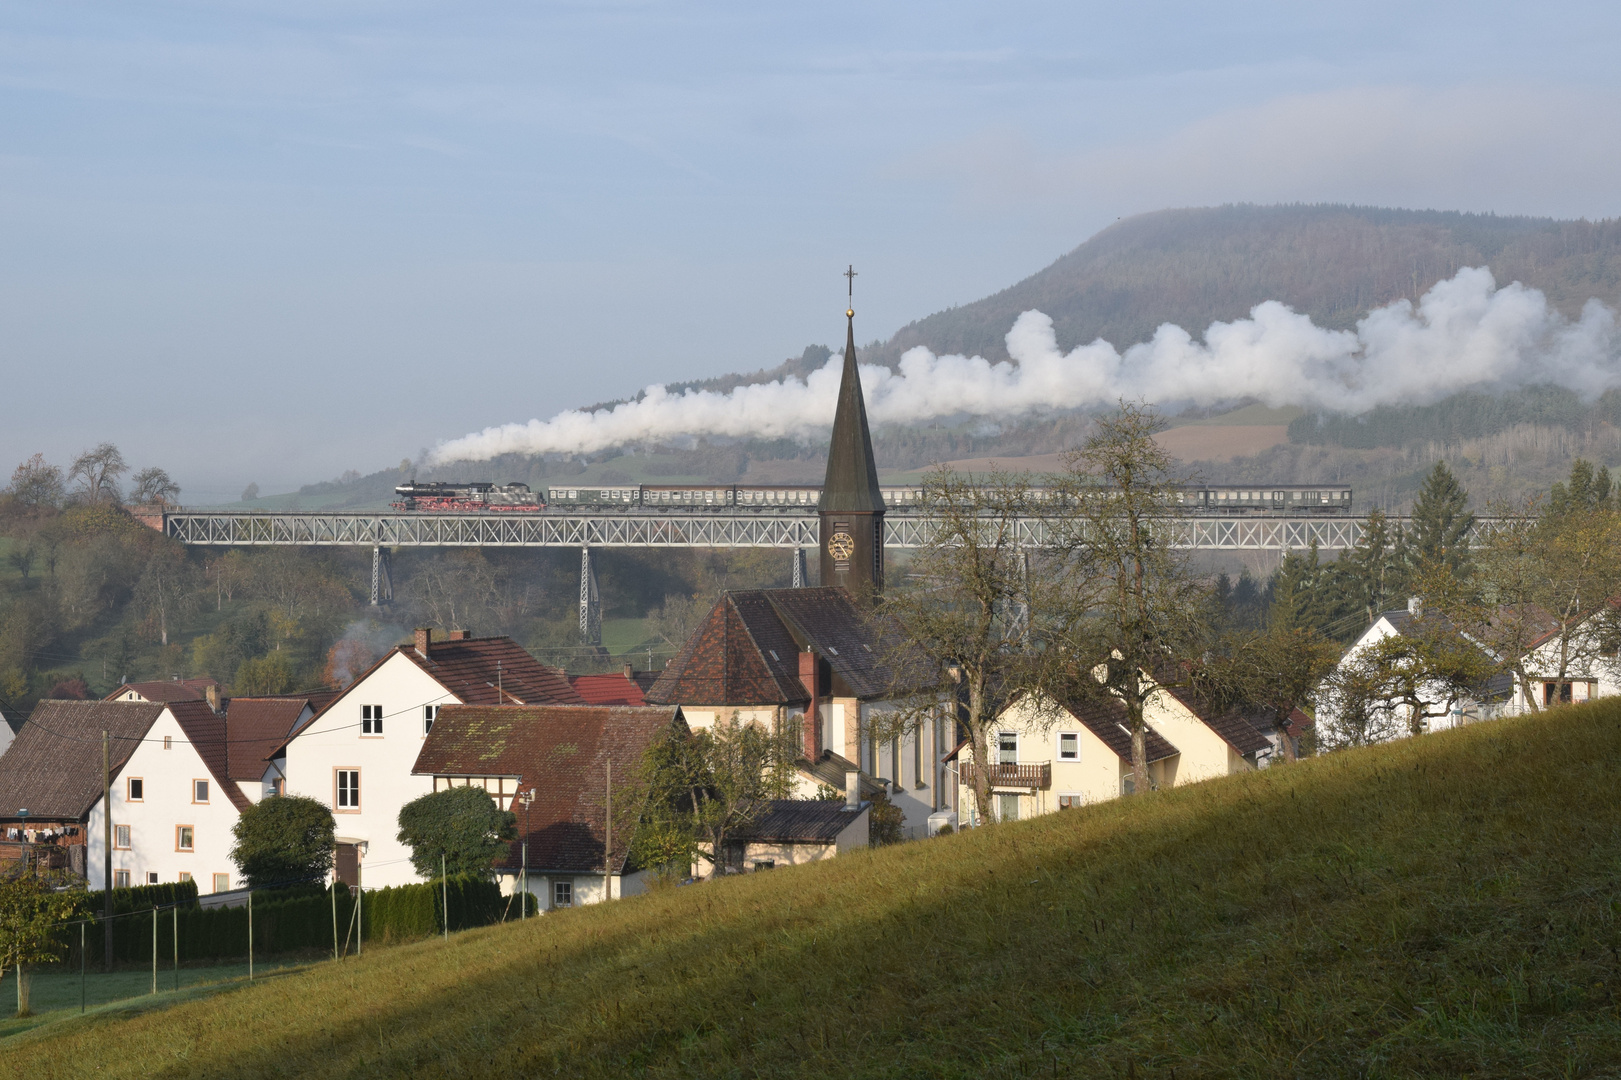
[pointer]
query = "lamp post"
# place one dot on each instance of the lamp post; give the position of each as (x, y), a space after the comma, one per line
(527, 798)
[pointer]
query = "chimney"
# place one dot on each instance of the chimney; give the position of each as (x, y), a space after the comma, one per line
(424, 635)
(211, 694)
(630, 669)
(852, 790)
(461, 635)
(808, 664)
(1415, 606)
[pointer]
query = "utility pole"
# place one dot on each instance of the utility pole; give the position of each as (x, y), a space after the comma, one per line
(444, 884)
(107, 850)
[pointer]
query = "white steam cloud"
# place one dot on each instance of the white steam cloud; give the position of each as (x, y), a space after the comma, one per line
(1465, 333)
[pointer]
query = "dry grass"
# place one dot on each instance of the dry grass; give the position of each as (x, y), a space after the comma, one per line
(1443, 907)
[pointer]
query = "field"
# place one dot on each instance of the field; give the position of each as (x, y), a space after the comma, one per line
(1442, 907)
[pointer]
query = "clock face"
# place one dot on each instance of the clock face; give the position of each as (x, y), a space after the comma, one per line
(841, 546)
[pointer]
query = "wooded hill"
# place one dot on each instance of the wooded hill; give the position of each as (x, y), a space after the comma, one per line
(1191, 267)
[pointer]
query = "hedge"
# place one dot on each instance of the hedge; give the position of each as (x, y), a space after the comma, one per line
(296, 920)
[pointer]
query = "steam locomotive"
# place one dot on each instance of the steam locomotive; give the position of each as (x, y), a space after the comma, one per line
(1240, 500)
(464, 497)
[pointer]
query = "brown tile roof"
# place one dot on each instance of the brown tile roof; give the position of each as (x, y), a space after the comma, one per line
(470, 668)
(1110, 722)
(745, 651)
(562, 753)
(1233, 725)
(258, 727)
(803, 820)
(54, 766)
(612, 689)
(160, 691)
(205, 730)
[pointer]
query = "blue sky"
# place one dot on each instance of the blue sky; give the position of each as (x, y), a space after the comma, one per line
(271, 242)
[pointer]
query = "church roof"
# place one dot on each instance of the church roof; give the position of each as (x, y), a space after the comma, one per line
(851, 485)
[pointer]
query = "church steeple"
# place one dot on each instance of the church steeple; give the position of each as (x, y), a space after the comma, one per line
(852, 505)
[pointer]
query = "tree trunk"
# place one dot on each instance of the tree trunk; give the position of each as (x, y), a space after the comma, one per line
(22, 992)
(1139, 753)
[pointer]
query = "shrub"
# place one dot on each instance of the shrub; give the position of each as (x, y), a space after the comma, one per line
(284, 839)
(461, 824)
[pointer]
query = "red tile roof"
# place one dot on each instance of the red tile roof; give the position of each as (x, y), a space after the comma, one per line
(257, 728)
(492, 671)
(607, 689)
(562, 753)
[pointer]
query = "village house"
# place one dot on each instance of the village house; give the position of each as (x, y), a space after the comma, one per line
(807, 661)
(552, 766)
(1054, 757)
(173, 802)
(203, 689)
(356, 754)
(1592, 670)
(1484, 702)
(789, 832)
(259, 728)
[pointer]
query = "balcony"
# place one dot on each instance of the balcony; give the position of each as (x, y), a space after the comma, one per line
(1002, 775)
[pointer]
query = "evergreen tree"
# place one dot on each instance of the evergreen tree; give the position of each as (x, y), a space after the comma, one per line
(1441, 523)
(1372, 577)
(1585, 492)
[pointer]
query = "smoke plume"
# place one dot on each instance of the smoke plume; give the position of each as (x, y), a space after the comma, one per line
(1465, 333)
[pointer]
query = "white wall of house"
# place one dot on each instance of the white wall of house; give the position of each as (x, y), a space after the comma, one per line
(583, 888)
(337, 741)
(6, 735)
(1591, 678)
(1203, 753)
(167, 767)
(1397, 717)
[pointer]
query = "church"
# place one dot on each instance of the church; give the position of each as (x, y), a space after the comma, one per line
(811, 659)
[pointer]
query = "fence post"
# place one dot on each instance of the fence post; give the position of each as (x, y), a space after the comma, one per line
(250, 935)
(154, 948)
(176, 911)
(334, 914)
(81, 966)
(444, 883)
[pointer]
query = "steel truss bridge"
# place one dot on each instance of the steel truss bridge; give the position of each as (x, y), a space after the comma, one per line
(689, 528)
(792, 531)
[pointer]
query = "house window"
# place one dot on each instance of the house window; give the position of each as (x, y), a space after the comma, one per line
(120, 879)
(222, 882)
(562, 894)
(1007, 748)
(185, 838)
(136, 790)
(348, 789)
(765, 864)
(430, 713)
(1069, 746)
(168, 742)
(199, 791)
(1068, 802)
(278, 786)
(1550, 689)
(1007, 807)
(121, 837)
(151, 877)
(185, 875)
(371, 719)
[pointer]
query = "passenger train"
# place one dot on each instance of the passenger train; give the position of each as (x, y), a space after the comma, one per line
(1247, 499)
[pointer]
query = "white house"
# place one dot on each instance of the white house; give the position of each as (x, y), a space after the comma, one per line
(356, 754)
(806, 660)
(7, 732)
(1486, 702)
(173, 802)
(1591, 671)
(259, 728)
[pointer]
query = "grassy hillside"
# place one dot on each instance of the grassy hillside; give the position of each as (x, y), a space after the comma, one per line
(1444, 907)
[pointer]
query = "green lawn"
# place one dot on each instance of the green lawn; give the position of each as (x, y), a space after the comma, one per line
(1447, 906)
(55, 993)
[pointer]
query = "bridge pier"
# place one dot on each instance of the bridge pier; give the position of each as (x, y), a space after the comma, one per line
(590, 601)
(382, 577)
(799, 568)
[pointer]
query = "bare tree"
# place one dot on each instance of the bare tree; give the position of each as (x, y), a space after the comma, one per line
(153, 485)
(165, 591)
(967, 627)
(36, 483)
(1151, 614)
(97, 472)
